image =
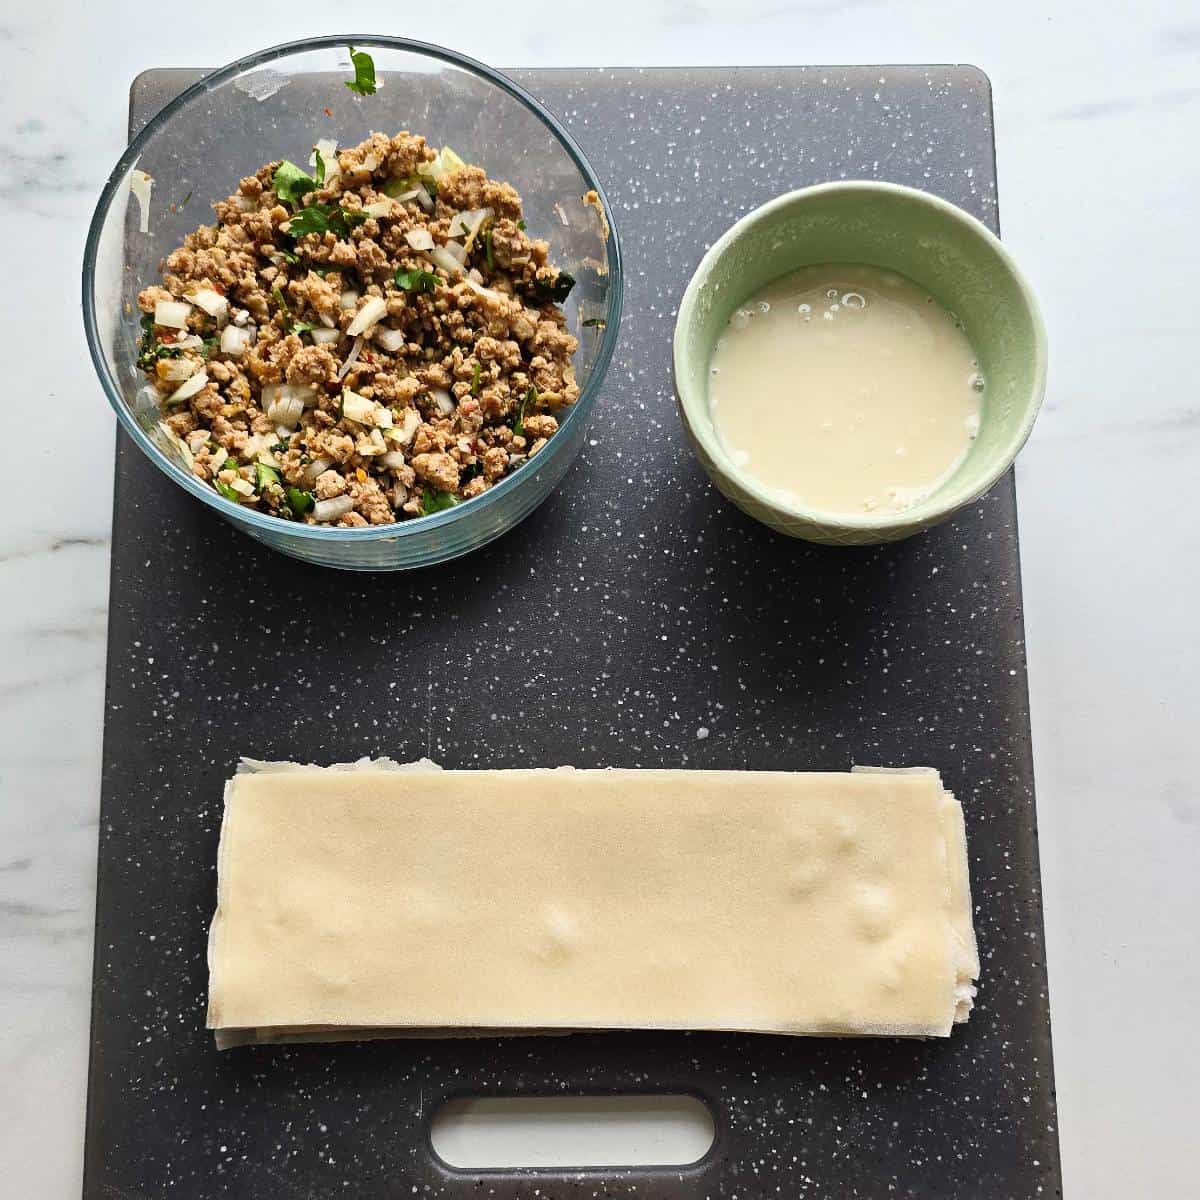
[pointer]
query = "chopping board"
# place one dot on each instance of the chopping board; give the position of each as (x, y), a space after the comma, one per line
(635, 620)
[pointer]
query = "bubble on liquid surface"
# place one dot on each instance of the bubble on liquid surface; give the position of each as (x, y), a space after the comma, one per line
(805, 311)
(831, 294)
(854, 300)
(827, 315)
(835, 307)
(764, 307)
(740, 319)
(977, 382)
(972, 424)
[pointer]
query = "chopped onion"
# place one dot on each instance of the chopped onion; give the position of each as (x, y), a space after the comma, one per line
(358, 408)
(212, 302)
(174, 370)
(368, 316)
(189, 387)
(491, 293)
(443, 400)
(243, 487)
(349, 299)
(419, 239)
(468, 224)
(411, 194)
(240, 316)
(283, 433)
(383, 417)
(456, 252)
(443, 258)
(393, 460)
(328, 151)
(316, 468)
(172, 314)
(390, 339)
(474, 276)
(333, 510)
(445, 162)
(406, 430)
(351, 358)
(235, 341)
(324, 337)
(380, 208)
(189, 341)
(424, 199)
(284, 403)
(140, 184)
(173, 439)
(399, 495)
(376, 445)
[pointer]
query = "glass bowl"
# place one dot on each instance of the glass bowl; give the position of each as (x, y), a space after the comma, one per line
(276, 104)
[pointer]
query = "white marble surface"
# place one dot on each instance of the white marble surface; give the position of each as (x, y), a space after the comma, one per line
(1098, 124)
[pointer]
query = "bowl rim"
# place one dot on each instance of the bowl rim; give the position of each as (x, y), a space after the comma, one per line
(241, 514)
(947, 499)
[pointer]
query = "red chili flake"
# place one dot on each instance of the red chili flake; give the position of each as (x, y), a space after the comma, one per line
(369, 357)
(168, 337)
(327, 111)
(219, 288)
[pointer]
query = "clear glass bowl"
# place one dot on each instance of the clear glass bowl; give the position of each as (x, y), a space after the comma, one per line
(276, 104)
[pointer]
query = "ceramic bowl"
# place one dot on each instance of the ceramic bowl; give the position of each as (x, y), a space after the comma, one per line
(936, 245)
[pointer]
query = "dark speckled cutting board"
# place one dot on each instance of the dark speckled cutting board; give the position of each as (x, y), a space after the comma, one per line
(635, 620)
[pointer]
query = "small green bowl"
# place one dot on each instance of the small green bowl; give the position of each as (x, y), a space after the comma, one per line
(936, 245)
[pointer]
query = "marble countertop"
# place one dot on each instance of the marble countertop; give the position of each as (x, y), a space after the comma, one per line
(1095, 116)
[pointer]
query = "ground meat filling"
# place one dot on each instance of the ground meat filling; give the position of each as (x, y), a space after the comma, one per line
(368, 343)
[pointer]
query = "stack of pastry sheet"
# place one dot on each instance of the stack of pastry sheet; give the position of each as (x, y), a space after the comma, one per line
(383, 901)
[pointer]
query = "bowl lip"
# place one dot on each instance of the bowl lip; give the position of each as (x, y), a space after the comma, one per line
(943, 502)
(240, 514)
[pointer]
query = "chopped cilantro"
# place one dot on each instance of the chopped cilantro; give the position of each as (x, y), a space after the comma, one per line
(530, 397)
(320, 169)
(521, 224)
(363, 82)
(476, 376)
(280, 447)
(150, 349)
(299, 501)
(433, 502)
(302, 326)
(184, 202)
(278, 297)
(554, 292)
(323, 218)
(292, 184)
(264, 475)
(210, 346)
(487, 246)
(416, 280)
(290, 256)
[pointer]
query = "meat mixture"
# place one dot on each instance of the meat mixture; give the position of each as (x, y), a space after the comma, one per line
(371, 340)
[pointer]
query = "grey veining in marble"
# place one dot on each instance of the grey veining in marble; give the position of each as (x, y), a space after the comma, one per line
(1096, 113)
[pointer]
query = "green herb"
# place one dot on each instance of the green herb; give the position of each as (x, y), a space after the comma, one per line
(476, 376)
(300, 502)
(416, 280)
(299, 327)
(277, 296)
(323, 218)
(150, 349)
(363, 82)
(264, 475)
(433, 502)
(184, 202)
(210, 346)
(321, 271)
(292, 184)
(227, 491)
(595, 323)
(487, 246)
(290, 256)
(469, 473)
(320, 171)
(554, 292)
(401, 184)
(519, 424)
(280, 447)
(521, 224)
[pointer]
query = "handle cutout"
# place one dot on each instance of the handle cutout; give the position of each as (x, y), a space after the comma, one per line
(539, 1132)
